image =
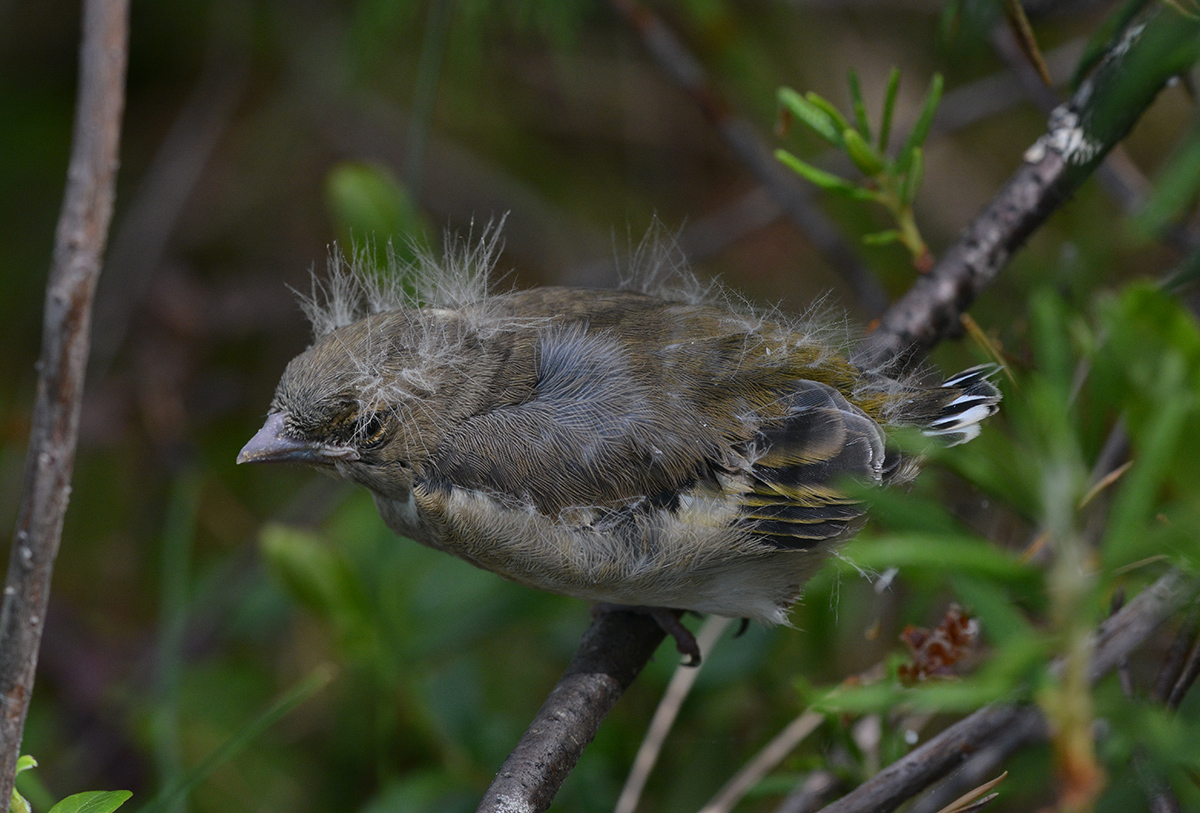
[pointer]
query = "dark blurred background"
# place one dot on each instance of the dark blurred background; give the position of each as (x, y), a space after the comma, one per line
(191, 594)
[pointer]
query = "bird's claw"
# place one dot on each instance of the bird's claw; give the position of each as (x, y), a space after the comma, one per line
(667, 620)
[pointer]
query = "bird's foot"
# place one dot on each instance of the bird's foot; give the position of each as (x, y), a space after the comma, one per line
(668, 620)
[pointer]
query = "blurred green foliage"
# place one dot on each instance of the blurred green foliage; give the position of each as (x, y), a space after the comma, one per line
(223, 639)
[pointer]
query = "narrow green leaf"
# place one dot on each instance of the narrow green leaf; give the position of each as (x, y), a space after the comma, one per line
(861, 124)
(1174, 189)
(809, 114)
(1001, 621)
(913, 177)
(920, 130)
(315, 574)
(889, 106)
(862, 153)
(24, 763)
(956, 553)
(1103, 38)
(823, 179)
(827, 106)
(92, 801)
(316, 680)
(1134, 507)
(881, 238)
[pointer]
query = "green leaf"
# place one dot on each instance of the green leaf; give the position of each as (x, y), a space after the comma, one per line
(913, 177)
(92, 801)
(999, 618)
(18, 803)
(881, 238)
(889, 106)
(955, 553)
(1174, 190)
(828, 108)
(920, 130)
(316, 680)
(1135, 504)
(863, 127)
(812, 116)
(314, 573)
(862, 153)
(1103, 38)
(825, 180)
(367, 201)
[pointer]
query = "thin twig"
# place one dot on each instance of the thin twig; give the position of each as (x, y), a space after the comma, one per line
(748, 146)
(811, 794)
(78, 248)
(764, 762)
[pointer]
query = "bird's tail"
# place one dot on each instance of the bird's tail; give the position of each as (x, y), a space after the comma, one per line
(967, 399)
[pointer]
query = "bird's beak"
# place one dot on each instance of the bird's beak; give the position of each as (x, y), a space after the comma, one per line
(271, 445)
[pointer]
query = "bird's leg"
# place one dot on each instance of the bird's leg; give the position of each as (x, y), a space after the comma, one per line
(668, 620)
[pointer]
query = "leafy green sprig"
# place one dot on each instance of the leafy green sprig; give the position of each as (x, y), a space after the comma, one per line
(889, 182)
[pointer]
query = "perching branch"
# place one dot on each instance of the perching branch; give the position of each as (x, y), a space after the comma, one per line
(612, 653)
(1079, 134)
(78, 247)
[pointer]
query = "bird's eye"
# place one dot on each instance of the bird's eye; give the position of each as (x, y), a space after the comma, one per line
(372, 429)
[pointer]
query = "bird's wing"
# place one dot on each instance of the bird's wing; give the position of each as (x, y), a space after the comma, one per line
(599, 435)
(594, 434)
(792, 497)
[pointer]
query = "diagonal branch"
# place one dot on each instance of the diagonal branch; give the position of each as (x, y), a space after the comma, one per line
(612, 653)
(78, 247)
(1078, 136)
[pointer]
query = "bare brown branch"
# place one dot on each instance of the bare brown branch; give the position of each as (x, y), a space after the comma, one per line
(612, 653)
(79, 244)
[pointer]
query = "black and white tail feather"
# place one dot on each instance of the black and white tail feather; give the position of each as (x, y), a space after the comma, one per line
(977, 400)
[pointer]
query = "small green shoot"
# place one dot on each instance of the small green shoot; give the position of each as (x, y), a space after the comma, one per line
(91, 801)
(889, 182)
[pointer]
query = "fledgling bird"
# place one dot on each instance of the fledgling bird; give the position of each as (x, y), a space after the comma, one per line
(664, 451)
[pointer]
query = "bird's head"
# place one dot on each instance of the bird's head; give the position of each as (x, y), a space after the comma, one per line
(370, 401)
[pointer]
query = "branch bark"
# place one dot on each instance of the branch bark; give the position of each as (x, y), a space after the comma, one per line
(75, 266)
(612, 653)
